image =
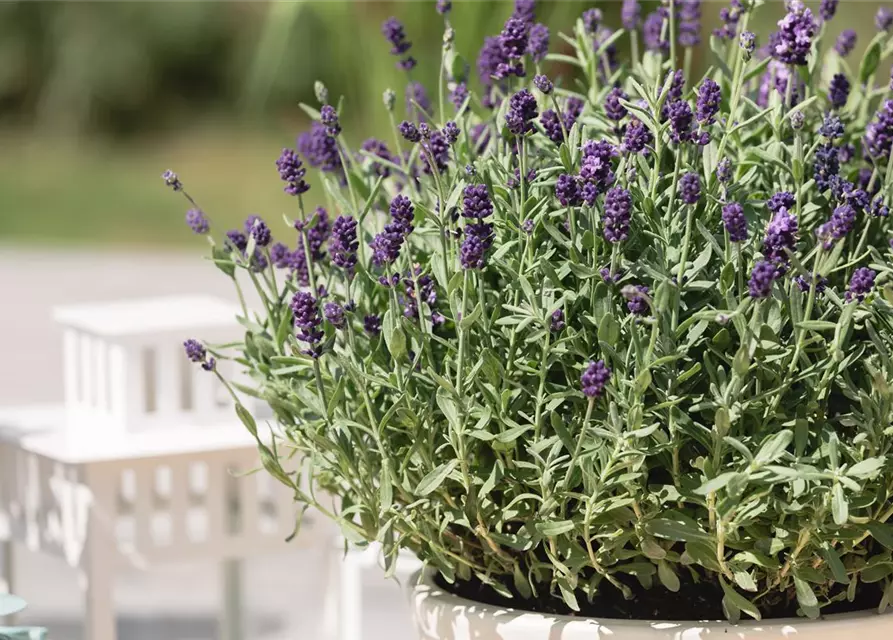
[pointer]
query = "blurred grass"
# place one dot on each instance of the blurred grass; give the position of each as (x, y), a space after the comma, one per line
(108, 193)
(97, 99)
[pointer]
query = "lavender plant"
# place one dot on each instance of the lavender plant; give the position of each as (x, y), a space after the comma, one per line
(608, 341)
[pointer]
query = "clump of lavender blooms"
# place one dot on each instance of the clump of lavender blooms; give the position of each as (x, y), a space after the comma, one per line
(197, 221)
(394, 32)
(861, 284)
(595, 378)
(512, 284)
(197, 353)
(734, 222)
(690, 188)
(792, 42)
(838, 91)
(845, 43)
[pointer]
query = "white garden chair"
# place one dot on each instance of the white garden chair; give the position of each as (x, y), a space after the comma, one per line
(138, 463)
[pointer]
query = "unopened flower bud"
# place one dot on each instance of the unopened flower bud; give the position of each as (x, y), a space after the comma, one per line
(390, 99)
(797, 120)
(322, 94)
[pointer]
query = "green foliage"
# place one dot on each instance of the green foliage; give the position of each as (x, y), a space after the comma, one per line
(741, 441)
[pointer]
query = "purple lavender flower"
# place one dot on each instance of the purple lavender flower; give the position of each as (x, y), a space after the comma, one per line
(443, 7)
(652, 31)
(567, 190)
(280, 256)
(552, 126)
(379, 148)
(724, 171)
(840, 224)
(680, 116)
(543, 83)
(459, 95)
(594, 379)
(781, 236)
(386, 245)
(781, 200)
(556, 323)
(748, 43)
(372, 324)
(318, 233)
(729, 16)
(804, 283)
(613, 108)
(409, 131)
(592, 18)
(832, 127)
(195, 350)
(883, 20)
(845, 43)
(527, 226)
(618, 208)
(631, 14)
(305, 310)
(478, 239)
(689, 12)
(418, 105)
(513, 38)
(690, 188)
(237, 240)
(438, 147)
(402, 212)
(172, 180)
(761, 278)
(538, 42)
(878, 209)
(329, 117)
(734, 222)
(596, 170)
(636, 138)
(292, 172)
(451, 132)
(343, 244)
(427, 293)
(879, 133)
(828, 9)
(861, 284)
(792, 42)
(826, 166)
(522, 110)
(525, 10)
(838, 91)
(319, 149)
(393, 31)
(709, 100)
(259, 230)
(334, 313)
(637, 299)
(476, 203)
(197, 221)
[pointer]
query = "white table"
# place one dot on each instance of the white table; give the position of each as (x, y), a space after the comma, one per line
(163, 495)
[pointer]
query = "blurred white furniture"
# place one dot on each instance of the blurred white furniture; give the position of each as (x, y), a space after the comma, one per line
(344, 619)
(139, 463)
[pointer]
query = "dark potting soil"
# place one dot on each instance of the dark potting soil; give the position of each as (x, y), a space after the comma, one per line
(693, 601)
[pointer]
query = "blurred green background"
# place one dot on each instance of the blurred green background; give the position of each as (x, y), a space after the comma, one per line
(97, 99)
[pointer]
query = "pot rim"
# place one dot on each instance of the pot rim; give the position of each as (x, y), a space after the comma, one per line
(424, 592)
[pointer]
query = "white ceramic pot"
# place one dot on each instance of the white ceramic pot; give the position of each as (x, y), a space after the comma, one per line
(439, 615)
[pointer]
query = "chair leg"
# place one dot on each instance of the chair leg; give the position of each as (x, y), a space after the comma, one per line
(351, 597)
(98, 599)
(331, 625)
(7, 577)
(231, 623)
